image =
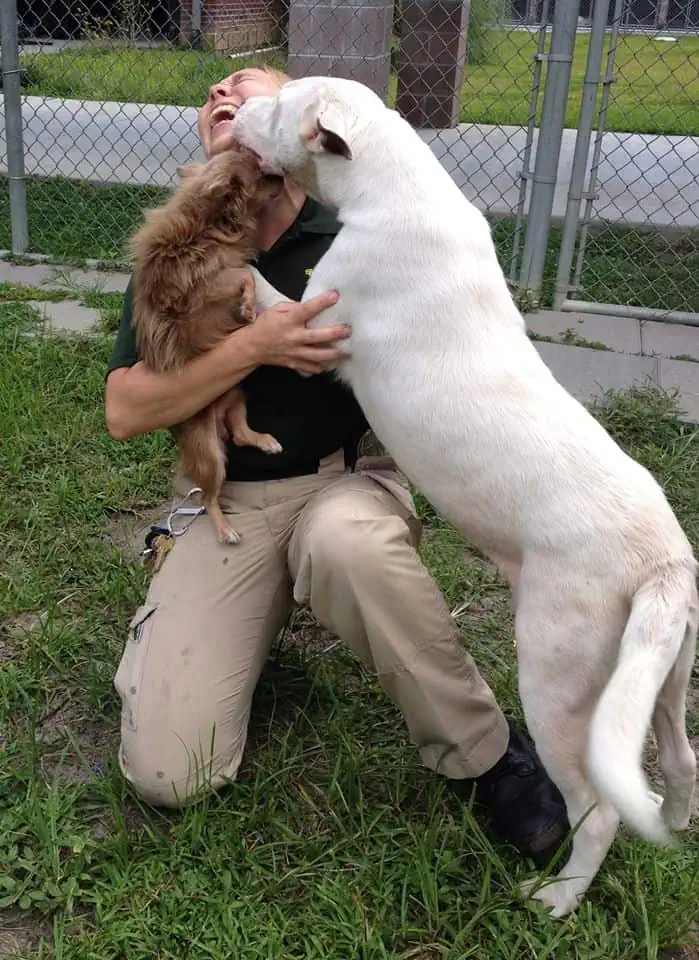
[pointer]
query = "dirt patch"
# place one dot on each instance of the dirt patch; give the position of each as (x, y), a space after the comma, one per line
(9, 649)
(21, 933)
(306, 635)
(73, 745)
(14, 630)
(127, 529)
(24, 623)
(690, 951)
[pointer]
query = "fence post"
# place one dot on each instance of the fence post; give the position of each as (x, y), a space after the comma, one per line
(582, 148)
(559, 61)
(342, 38)
(12, 94)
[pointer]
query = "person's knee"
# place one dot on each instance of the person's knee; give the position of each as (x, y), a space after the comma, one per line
(177, 740)
(169, 774)
(154, 788)
(354, 546)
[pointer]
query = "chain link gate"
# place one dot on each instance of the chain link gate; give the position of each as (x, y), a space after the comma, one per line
(630, 244)
(109, 93)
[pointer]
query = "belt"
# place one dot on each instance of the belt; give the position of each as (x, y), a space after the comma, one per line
(304, 468)
(242, 473)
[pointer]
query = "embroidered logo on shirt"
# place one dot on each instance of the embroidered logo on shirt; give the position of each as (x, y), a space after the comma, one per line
(308, 271)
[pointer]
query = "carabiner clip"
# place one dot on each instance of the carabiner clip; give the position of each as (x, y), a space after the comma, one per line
(182, 511)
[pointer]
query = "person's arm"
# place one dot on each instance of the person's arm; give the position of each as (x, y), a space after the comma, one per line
(137, 400)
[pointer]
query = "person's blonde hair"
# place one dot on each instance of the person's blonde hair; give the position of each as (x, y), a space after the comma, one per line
(278, 75)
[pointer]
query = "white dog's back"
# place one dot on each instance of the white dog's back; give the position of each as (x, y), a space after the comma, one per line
(515, 439)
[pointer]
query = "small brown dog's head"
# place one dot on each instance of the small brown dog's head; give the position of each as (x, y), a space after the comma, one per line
(230, 175)
(191, 256)
(217, 204)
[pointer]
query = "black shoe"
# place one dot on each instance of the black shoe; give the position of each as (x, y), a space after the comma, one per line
(525, 807)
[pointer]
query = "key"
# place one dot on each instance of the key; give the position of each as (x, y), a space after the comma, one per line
(162, 545)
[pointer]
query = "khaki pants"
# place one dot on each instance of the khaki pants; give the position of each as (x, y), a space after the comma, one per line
(343, 543)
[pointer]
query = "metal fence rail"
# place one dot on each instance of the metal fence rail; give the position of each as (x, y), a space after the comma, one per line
(575, 134)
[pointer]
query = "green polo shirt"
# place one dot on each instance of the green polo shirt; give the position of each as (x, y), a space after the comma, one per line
(311, 417)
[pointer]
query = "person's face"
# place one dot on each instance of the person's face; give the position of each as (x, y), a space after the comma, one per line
(224, 98)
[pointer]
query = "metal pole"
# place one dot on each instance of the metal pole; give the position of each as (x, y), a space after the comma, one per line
(196, 24)
(582, 149)
(636, 313)
(590, 193)
(559, 60)
(12, 95)
(525, 174)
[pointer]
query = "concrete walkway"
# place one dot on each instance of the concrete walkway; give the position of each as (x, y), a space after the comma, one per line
(591, 353)
(644, 179)
(587, 354)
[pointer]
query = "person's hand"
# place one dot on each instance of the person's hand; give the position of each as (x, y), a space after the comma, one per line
(282, 339)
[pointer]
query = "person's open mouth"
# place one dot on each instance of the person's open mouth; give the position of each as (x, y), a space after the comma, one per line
(222, 114)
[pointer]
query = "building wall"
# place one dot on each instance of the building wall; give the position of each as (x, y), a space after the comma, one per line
(230, 26)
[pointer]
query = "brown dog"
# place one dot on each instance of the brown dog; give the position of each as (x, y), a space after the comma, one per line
(192, 288)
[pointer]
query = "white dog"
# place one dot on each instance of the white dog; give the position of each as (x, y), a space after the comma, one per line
(603, 576)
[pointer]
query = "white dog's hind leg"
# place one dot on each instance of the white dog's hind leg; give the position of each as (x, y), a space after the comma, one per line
(593, 838)
(676, 757)
(563, 663)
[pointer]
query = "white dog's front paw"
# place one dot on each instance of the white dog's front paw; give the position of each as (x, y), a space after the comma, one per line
(560, 896)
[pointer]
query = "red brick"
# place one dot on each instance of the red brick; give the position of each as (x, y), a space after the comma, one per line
(431, 61)
(231, 25)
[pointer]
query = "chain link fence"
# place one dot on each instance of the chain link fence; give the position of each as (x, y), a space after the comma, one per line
(637, 233)
(109, 90)
(110, 93)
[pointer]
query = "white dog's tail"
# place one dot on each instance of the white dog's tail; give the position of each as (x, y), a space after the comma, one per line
(655, 631)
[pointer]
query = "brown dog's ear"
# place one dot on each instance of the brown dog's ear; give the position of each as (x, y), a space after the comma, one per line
(190, 170)
(326, 129)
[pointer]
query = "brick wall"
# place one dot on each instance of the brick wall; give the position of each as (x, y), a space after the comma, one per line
(230, 26)
(431, 61)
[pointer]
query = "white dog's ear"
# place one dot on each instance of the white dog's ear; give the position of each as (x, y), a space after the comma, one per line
(325, 129)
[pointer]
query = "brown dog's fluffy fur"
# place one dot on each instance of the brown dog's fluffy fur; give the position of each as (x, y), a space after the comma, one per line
(192, 289)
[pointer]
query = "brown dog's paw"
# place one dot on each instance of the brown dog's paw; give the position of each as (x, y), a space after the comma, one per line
(269, 444)
(228, 535)
(248, 299)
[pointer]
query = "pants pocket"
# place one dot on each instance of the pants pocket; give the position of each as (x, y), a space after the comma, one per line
(129, 675)
(395, 483)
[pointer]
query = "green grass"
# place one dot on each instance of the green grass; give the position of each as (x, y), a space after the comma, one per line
(15, 291)
(656, 91)
(623, 265)
(572, 339)
(72, 221)
(161, 76)
(334, 843)
(656, 88)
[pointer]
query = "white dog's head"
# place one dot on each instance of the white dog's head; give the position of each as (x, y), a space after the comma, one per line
(310, 123)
